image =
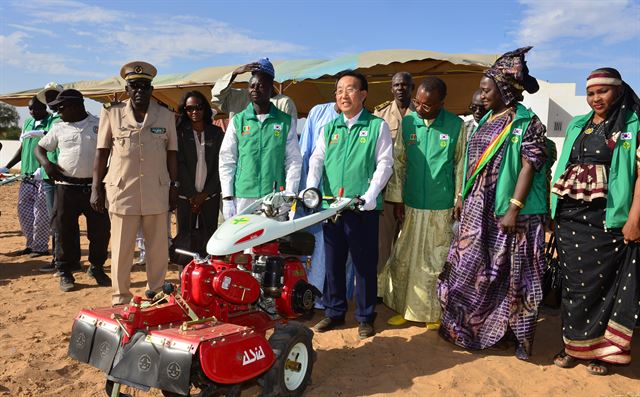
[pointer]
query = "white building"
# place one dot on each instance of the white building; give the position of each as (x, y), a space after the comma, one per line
(556, 104)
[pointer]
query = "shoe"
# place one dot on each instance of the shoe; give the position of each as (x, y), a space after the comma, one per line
(328, 323)
(25, 251)
(48, 268)
(36, 254)
(563, 360)
(433, 326)
(97, 272)
(397, 320)
(365, 330)
(67, 283)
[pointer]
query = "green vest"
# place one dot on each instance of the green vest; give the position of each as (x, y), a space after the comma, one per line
(261, 151)
(430, 172)
(536, 202)
(622, 174)
(28, 162)
(350, 156)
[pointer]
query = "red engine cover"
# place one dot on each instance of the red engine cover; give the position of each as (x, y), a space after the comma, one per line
(293, 272)
(237, 286)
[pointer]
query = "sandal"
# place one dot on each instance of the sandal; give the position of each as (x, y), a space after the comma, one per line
(563, 360)
(597, 367)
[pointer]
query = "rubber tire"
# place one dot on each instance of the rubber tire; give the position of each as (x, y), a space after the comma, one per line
(282, 341)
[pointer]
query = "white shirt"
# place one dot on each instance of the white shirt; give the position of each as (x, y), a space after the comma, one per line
(77, 143)
(228, 159)
(384, 160)
(201, 164)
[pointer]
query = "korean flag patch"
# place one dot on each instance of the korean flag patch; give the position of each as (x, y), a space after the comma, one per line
(517, 131)
(626, 136)
(444, 137)
(364, 133)
(277, 127)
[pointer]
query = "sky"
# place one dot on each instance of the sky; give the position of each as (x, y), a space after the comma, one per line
(69, 40)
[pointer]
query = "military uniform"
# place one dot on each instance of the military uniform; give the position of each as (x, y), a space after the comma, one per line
(389, 227)
(137, 189)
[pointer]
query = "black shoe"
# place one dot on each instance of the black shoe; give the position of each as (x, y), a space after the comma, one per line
(97, 272)
(48, 268)
(365, 330)
(67, 283)
(25, 251)
(328, 323)
(36, 254)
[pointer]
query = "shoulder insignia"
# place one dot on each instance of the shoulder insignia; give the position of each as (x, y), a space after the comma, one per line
(108, 105)
(382, 105)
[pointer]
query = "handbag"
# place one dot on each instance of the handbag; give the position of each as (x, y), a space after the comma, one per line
(551, 279)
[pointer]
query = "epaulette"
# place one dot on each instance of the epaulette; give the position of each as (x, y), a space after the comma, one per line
(382, 105)
(108, 105)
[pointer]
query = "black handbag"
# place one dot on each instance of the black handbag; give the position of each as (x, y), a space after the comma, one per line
(551, 279)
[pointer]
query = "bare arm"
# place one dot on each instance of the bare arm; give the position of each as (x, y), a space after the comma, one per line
(631, 229)
(16, 158)
(99, 172)
(523, 185)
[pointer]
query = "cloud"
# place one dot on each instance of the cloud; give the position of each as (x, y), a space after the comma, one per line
(32, 29)
(69, 11)
(163, 40)
(610, 21)
(16, 53)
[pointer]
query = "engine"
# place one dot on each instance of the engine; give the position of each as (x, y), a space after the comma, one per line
(264, 280)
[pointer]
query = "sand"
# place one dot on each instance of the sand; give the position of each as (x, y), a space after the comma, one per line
(36, 319)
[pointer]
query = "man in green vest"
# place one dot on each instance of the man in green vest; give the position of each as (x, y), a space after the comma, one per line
(32, 203)
(260, 147)
(354, 153)
(429, 155)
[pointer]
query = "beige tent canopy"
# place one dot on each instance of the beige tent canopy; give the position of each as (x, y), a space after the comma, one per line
(309, 82)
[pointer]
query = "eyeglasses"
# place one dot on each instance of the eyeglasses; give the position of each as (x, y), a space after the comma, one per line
(139, 86)
(348, 91)
(476, 108)
(193, 108)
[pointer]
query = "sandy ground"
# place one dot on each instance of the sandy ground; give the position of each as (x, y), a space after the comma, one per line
(36, 319)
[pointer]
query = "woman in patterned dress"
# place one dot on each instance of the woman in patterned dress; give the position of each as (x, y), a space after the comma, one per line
(492, 282)
(596, 204)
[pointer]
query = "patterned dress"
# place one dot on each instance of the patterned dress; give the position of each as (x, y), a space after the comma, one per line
(492, 281)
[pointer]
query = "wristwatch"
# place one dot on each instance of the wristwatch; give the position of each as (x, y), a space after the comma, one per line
(175, 184)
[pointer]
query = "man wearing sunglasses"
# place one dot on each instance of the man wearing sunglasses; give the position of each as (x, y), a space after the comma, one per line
(477, 110)
(141, 183)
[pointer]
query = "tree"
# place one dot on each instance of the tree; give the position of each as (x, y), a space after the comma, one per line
(9, 117)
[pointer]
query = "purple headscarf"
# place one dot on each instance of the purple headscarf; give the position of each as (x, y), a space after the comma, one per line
(511, 75)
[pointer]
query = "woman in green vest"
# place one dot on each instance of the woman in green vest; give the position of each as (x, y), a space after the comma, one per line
(596, 206)
(491, 285)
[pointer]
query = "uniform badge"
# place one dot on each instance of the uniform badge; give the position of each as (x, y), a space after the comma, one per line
(517, 131)
(158, 130)
(95, 129)
(443, 144)
(363, 140)
(514, 139)
(334, 139)
(444, 137)
(364, 133)
(626, 136)
(277, 133)
(626, 145)
(246, 130)
(277, 127)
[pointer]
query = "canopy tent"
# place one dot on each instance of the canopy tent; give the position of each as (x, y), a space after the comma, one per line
(309, 82)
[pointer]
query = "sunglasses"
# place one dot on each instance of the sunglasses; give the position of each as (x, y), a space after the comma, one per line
(139, 87)
(474, 108)
(193, 108)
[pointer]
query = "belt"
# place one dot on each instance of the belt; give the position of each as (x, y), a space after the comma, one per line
(209, 197)
(77, 181)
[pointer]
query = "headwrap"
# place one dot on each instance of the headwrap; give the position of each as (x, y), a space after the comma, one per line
(628, 100)
(511, 75)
